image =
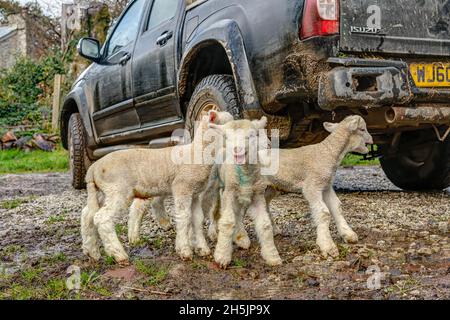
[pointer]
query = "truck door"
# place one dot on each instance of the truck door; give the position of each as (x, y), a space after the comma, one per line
(154, 70)
(113, 95)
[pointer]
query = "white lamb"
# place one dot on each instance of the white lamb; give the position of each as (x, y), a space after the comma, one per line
(242, 190)
(312, 170)
(133, 177)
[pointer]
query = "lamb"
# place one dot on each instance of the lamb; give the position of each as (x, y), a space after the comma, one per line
(157, 207)
(133, 177)
(311, 170)
(242, 190)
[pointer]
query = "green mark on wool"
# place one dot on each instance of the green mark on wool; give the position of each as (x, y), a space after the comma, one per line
(244, 179)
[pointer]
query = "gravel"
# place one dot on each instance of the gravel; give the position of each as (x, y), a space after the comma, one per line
(404, 234)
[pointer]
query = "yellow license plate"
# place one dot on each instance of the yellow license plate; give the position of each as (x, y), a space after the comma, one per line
(431, 74)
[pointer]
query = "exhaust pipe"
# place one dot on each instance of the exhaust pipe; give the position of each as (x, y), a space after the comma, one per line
(403, 116)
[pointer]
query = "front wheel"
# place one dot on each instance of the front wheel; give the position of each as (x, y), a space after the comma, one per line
(79, 161)
(418, 165)
(216, 92)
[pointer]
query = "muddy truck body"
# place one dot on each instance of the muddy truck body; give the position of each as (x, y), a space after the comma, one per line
(299, 62)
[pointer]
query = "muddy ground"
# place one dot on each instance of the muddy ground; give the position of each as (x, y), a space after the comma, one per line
(404, 239)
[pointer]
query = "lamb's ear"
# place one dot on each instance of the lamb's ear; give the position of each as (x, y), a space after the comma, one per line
(224, 118)
(354, 124)
(264, 158)
(260, 124)
(213, 116)
(330, 127)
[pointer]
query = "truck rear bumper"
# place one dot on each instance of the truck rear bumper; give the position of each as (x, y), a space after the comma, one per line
(363, 83)
(357, 84)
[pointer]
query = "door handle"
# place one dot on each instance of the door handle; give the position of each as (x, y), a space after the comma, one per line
(164, 38)
(123, 61)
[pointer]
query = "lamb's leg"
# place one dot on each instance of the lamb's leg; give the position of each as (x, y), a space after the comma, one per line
(138, 210)
(241, 238)
(264, 230)
(105, 222)
(211, 205)
(183, 219)
(321, 216)
(198, 218)
(271, 194)
(227, 224)
(212, 228)
(160, 214)
(334, 204)
(91, 240)
(89, 234)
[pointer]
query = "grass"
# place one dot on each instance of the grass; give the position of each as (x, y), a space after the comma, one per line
(154, 274)
(121, 230)
(16, 161)
(55, 219)
(15, 203)
(239, 264)
(31, 284)
(354, 160)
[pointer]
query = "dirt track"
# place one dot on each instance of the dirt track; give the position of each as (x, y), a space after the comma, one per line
(404, 236)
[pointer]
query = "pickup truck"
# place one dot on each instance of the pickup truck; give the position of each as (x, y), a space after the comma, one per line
(299, 62)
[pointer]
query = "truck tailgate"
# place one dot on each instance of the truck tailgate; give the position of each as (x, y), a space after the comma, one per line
(416, 27)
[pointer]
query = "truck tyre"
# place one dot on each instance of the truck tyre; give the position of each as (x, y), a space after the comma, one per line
(422, 167)
(79, 161)
(216, 92)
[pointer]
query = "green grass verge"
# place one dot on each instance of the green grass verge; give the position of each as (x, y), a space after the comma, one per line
(354, 160)
(16, 161)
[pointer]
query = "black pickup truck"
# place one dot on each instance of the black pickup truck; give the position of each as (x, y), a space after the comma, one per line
(300, 62)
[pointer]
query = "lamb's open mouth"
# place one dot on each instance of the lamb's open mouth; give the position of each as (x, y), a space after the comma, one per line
(240, 158)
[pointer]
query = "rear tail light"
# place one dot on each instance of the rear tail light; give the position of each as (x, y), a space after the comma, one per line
(320, 18)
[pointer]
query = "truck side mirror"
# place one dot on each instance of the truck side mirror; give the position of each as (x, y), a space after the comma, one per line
(90, 49)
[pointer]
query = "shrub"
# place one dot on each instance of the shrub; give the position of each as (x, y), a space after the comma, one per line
(26, 91)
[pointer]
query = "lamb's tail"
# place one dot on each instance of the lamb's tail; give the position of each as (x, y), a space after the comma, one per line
(92, 201)
(91, 243)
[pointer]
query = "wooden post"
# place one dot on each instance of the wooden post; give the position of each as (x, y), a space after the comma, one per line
(56, 101)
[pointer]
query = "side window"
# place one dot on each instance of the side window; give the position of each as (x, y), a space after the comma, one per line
(127, 30)
(162, 10)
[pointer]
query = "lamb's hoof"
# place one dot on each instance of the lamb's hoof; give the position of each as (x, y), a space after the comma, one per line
(274, 261)
(203, 251)
(95, 255)
(124, 263)
(133, 241)
(121, 259)
(243, 242)
(272, 258)
(185, 253)
(165, 224)
(222, 261)
(329, 250)
(350, 237)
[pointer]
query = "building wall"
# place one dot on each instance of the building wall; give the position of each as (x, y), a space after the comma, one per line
(28, 40)
(9, 50)
(14, 45)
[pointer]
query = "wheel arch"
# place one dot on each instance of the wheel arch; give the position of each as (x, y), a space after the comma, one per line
(224, 40)
(73, 104)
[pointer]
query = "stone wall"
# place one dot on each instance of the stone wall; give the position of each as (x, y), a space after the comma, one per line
(27, 40)
(14, 44)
